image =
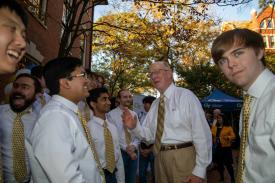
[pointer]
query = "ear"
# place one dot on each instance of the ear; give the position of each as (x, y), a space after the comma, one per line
(260, 54)
(64, 83)
(93, 104)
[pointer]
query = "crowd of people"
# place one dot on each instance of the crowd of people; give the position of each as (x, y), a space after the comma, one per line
(58, 125)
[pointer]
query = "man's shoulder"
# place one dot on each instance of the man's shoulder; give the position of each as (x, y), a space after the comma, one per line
(4, 107)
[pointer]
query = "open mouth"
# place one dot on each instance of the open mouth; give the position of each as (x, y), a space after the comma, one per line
(14, 55)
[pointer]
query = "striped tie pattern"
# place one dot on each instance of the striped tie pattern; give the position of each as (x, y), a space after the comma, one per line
(18, 149)
(127, 136)
(91, 143)
(160, 124)
(244, 138)
(109, 149)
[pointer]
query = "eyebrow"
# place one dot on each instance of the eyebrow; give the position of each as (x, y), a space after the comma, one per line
(238, 49)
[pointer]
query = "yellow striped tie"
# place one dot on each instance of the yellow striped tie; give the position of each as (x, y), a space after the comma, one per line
(160, 124)
(18, 148)
(127, 136)
(109, 149)
(91, 143)
(244, 138)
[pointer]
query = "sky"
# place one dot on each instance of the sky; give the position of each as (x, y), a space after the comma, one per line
(227, 13)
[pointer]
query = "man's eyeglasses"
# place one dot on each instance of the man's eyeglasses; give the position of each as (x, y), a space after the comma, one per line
(157, 72)
(83, 74)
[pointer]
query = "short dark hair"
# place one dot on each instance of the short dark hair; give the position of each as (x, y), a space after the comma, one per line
(37, 71)
(243, 37)
(37, 85)
(14, 6)
(148, 99)
(59, 68)
(94, 94)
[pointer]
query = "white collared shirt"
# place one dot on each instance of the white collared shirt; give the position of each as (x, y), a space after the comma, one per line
(114, 116)
(37, 106)
(97, 131)
(59, 148)
(7, 117)
(260, 152)
(184, 122)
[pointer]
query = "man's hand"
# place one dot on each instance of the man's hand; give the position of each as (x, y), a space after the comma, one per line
(145, 152)
(128, 120)
(130, 149)
(193, 179)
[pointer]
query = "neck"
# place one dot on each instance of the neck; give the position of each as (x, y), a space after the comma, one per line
(100, 115)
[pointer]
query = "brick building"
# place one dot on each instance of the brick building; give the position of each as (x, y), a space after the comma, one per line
(263, 22)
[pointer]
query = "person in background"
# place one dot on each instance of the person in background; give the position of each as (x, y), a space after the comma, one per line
(239, 54)
(176, 124)
(146, 155)
(43, 97)
(223, 135)
(18, 116)
(107, 146)
(128, 144)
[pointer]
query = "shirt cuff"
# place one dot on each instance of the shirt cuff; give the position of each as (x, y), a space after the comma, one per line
(199, 171)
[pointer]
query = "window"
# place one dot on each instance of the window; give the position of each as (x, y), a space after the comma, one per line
(37, 8)
(262, 24)
(272, 41)
(265, 41)
(269, 24)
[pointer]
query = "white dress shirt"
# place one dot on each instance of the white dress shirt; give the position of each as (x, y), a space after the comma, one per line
(97, 131)
(6, 127)
(260, 152)
(59, 149)
(37, 105)
(114, 116)
(184, 121)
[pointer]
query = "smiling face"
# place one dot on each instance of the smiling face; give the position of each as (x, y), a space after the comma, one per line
(12, 40)
(241, 65)
(78, 85)
(161, 76)
(125, 98)
(22, 94)
(102, 105)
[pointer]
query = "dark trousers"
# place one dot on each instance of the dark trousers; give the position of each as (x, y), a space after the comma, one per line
(130, 167)
(143, 166)
(110, 177)
(224, 158)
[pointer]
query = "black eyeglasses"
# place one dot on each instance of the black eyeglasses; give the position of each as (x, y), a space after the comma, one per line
(83, 74)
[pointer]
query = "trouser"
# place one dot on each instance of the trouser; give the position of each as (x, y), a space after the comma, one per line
(143, 166)
(110, 177)
(174, 166)
(130, 167)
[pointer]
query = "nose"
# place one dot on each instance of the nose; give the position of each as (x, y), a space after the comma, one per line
(231, 62)
(20, 41)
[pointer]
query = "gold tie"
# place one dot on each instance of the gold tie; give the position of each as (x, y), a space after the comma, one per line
(42, 100)
(109, 149)
(87, 112)
(160, 124)
(18, 148)
(244, 138)
(127, 136)
(91, 143)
